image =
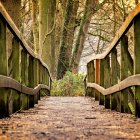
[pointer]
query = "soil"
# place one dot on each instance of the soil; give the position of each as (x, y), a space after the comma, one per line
(69, 118)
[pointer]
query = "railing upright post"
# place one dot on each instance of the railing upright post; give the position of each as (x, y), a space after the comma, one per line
(124, 73)
(31, 80)
(36, 80)
(24, 79)
(114, 79)
(97, 77)
(107, 80)
(137, 61)
(15, 73)
(89, 79)
(101, 99)
(92, 77)
(3, 68)
(40, 76)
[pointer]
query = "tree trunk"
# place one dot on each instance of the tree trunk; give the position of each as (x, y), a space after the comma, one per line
(35, 25)
(89, 9)
(67, 38)
(47, 10)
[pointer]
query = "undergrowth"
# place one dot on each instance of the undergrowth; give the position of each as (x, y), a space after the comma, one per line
(70, 85)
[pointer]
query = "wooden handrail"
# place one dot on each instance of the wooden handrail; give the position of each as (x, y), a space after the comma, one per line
(28, 71)
(110, 76)
(123, 29)
(7, 82)
(16, 32)
(128, 82)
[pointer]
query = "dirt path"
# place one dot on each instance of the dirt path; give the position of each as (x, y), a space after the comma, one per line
(69, 118)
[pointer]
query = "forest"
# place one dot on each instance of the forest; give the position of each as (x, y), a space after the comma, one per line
(69, 33)
(69, 69)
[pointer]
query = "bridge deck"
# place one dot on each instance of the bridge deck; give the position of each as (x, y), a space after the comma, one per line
(70, 118)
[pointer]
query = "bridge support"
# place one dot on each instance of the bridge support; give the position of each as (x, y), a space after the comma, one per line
(102, 97)
(97, 78)
(4, 111)
(114, 80)
(107, 80)
(137, 61)
(24, 79)
(16, 73)
(124, 73)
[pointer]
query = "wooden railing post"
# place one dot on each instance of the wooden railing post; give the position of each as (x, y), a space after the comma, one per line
(114, 79)
(89, 90)
(31, 80)
(124, 73)
(24, 79)
(35, 65)
(92, 74)
(137, 61)
(97, 77)
(3, 68)
(101, 99)
(107, 80)
(38, 77)
(16, 72)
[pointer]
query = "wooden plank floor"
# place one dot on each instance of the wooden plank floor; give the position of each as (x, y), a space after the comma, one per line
(69, 118)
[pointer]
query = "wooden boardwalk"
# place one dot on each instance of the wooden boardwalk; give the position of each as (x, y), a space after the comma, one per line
(69, 118)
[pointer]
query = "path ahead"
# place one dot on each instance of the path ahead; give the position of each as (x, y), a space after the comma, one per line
(69, 118)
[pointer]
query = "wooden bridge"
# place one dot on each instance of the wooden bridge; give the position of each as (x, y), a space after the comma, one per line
(113, 79)
(22, 72)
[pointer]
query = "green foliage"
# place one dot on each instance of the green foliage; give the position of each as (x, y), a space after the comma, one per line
(70, 85)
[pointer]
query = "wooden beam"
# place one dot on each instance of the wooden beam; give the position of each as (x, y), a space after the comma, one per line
(128, 82)
(92, 77)
(3, 68)
(101, 99)
(36, 80)
(31, 80)
(107, 80)
(137, 60)
(24, 79)
(114, 78)
(97, 77)
(124, 73)
(16, 73)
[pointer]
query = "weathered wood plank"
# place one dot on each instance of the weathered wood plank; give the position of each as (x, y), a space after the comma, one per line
(137, 60)
(102, 97)
(107, 81)
(31, 80)
(97, 77)
(128, 82)
(88, 93)
(124, 73)
(114, 78)
(36, 80)
(92, 77)
(24, 79)
(3, 68)
(16, 73)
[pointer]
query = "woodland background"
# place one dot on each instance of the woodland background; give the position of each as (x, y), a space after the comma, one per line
(68, 33)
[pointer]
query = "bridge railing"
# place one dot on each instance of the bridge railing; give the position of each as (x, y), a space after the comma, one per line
(113, 77)
(22, 72)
